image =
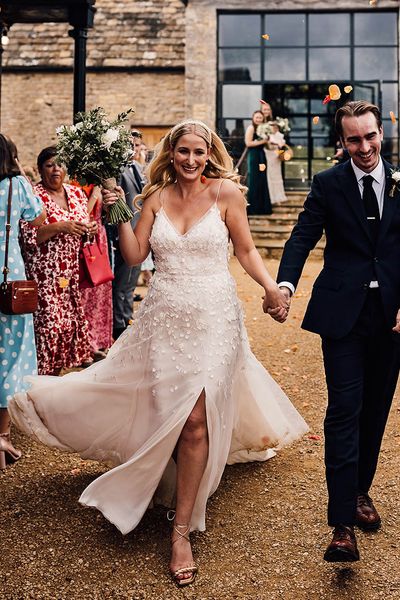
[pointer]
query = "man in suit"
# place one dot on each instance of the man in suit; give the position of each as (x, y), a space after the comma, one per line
(354, 307)
(126, 277)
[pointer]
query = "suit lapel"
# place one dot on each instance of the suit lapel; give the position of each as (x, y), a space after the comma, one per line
(353, 196)
(389, 204)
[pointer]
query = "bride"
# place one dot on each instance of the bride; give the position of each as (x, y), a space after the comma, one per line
(180, 394)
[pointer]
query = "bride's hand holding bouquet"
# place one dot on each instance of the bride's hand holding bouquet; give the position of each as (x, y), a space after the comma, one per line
(95, 151)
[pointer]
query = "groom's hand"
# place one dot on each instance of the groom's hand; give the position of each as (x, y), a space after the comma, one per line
(275, 304)
(396, 328)
(276, 312)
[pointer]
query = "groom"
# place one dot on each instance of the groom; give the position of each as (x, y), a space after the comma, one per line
(354, 307)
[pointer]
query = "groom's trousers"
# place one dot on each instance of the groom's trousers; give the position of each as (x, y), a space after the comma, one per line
(361, 373)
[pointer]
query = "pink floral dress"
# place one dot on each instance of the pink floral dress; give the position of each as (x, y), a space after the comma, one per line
(61, 329)
(97, 301)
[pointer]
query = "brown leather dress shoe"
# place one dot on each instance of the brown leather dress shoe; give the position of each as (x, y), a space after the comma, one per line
(367, 517)
(343, 547)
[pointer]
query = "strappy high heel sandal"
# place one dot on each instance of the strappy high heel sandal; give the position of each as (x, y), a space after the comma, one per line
(8, 454)
(189, 568)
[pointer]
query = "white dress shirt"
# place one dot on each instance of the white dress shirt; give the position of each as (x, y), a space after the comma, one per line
(378, 186)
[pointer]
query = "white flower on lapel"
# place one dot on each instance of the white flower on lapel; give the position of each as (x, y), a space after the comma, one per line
(395, 181)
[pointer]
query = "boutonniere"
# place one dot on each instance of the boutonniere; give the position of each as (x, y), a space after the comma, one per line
(395, 181)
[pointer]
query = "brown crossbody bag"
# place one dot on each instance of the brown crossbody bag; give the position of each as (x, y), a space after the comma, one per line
(16, 297)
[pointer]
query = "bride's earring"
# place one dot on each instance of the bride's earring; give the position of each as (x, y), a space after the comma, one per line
(203, 178)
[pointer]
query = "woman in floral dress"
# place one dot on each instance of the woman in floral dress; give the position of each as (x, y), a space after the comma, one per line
(51, 256)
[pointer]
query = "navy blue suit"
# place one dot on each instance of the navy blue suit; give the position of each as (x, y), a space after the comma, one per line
(361, 353)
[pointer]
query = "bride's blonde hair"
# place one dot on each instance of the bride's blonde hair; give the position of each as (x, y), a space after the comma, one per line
(161, 172)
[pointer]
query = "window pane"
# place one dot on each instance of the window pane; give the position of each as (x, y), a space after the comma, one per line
(239, 65)
(236, 128)
(329, 29)
(285, 30)
(389, 98)
(240, 101)
(375, 28)
(239, 30)
(375, 63)
(286, 63)
(390, 129)
(298, 126)
(329, 64)
(295, 105)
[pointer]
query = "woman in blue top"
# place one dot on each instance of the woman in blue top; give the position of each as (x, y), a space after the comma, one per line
(17, 342)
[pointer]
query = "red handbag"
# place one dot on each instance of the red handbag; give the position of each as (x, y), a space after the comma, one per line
(94, 266)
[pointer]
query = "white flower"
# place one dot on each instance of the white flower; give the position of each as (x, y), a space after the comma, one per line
(59, 129)
(110, 137)
(79, 125)
(396, 176)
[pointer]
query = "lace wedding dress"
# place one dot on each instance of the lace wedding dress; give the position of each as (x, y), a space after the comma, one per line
(130, 408)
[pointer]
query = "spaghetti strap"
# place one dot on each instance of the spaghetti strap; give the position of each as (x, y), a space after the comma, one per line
(219, 189)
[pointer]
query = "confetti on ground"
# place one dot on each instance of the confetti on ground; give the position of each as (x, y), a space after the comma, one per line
(392, 117)
(265, 36)
(315, 120)
(314, 437)
(326, 99)
(262, 167)
(348, 88)
(334, 92)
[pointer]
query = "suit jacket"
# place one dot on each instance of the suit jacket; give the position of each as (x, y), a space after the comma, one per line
(351, 258)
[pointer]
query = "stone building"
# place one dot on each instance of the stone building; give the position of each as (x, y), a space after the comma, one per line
(208, 59)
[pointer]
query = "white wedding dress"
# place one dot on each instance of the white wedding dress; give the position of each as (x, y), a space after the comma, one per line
(130, 408)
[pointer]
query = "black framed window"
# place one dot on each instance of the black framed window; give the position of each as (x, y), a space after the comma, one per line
(305, 52)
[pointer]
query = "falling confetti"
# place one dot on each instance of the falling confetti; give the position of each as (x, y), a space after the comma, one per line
(263, 102)
(315, 120)
(348, 88)
(326, 99)
(265, 36)
(262, 167)
(373, 2)
(334, 92)
(392, 117)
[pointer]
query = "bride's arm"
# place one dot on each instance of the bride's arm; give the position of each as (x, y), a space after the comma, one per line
(245, 250)
(134, 244)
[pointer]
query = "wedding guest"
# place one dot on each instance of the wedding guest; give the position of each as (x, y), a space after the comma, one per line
(274, 165)
(259, 202)
(126, 276)
(51, 254)
(17, 340)
(97, 300)
(355, 308)
(180, 393)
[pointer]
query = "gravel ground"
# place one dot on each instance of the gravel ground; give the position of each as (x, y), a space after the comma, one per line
(266, 527)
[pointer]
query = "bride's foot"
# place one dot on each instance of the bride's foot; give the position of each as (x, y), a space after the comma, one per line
(182, 567)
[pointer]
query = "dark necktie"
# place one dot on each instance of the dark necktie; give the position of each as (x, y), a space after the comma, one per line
(371, 206)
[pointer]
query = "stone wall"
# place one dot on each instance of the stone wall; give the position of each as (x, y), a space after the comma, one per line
(201, 43)
(34, 104)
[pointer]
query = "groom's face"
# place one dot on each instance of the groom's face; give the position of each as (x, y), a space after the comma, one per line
(363, 139)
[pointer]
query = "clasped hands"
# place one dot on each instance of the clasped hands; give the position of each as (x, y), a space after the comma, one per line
(111, 197)
(276, 303)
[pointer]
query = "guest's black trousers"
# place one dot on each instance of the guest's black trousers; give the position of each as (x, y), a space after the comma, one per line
(361, 373)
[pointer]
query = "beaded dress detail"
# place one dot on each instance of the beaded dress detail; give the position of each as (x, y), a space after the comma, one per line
(130, 408)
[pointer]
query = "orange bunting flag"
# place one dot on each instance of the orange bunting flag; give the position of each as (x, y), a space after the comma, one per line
(262, 167)
(392, 117)
(348, 89)
(315, 120)
(265, 36)
(326, 99)
(334, 92)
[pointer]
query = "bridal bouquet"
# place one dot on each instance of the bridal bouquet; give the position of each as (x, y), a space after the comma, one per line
(266, 129)
(94, 151)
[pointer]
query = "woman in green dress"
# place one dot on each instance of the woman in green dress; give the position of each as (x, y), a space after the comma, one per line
(258, 199)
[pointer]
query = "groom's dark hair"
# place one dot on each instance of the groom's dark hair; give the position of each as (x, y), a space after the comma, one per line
(356, 108)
